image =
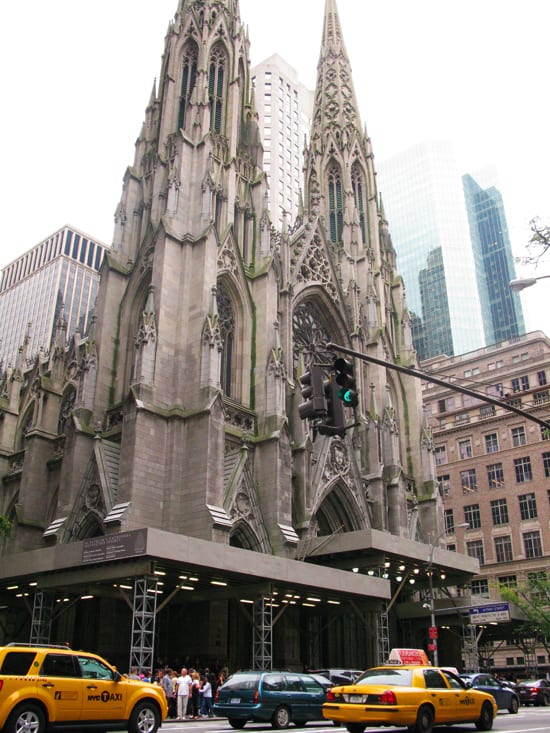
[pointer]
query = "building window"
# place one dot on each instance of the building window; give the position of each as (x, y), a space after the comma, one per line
(528, 506)
(523, 469)
(444, 485)
(521, 384)
(495, 476)
(445, 405)
(541, 378)
(359, 196)
(491, 443)
(216, 74)
(336, 203)
(532, 544)
(465, 448)
(503, 549)
(508, 581)
(480, 587)
(487, 411)
(472, 516)
(227, 332)
(449, 521)
(468, 481)
(188, 77)
(499, 511)
(440, 454)
(509, 661)
(539, 398)
(537, 582)
(544, 433)
(546, 464)
(518, 436)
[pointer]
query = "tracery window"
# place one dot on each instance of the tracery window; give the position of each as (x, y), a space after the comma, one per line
(227, 332)
(310, 334)
(336, 203)
(216, 72)
(359, 196)
(188, 78)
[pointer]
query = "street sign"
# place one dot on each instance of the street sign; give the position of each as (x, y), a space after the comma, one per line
(433, 632)
(495, 612)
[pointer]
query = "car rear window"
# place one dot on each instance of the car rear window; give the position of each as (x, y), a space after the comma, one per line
(399, 677)
(242, 681)
(17, 663)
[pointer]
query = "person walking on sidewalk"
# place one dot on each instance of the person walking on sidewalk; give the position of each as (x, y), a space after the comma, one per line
(206, 694)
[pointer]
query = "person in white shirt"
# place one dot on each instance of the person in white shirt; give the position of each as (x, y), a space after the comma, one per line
(182, 694)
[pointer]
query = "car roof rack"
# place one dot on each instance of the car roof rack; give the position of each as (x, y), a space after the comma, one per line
(38, 646)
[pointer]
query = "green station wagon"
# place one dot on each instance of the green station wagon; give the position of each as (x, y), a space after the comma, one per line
(276, 697)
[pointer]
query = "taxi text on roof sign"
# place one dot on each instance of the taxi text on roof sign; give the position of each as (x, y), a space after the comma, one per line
(408, 656)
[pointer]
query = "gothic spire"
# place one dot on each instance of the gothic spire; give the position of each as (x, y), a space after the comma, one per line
(335, 108)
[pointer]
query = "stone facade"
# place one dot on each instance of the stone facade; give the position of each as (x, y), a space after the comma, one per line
(178, 409)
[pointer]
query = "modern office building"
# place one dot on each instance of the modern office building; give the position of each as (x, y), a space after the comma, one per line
(284, 107)
(500, 306)
(493, 469)
(157, 473)
(58, 275)
(424, 202)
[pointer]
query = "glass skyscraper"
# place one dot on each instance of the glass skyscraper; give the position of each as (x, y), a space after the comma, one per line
(501, 307)
(424, 203)
(59, 273)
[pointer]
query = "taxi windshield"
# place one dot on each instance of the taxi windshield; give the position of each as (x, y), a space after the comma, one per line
(380, 676)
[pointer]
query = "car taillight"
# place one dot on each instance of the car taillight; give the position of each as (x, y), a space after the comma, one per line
(217, 696)
(330, 696)
(1, 683)
(256, 696)
(388, 698)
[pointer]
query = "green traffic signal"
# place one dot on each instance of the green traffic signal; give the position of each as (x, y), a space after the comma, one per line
(347, 392)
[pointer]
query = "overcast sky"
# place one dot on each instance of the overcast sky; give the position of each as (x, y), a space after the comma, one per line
(78, 75)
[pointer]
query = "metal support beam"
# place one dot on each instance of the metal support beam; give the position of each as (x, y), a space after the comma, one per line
(143, 624)
(262, 633)
(42, 616)
(383, 635)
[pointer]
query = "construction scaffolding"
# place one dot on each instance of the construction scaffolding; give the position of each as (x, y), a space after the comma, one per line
(143, 624)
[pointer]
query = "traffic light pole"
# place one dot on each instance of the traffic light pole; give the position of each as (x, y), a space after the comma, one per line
(441, 382)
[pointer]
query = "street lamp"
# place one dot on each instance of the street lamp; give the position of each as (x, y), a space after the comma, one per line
(520, 283)
(433, 627)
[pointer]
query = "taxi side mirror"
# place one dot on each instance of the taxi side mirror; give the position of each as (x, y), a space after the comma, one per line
(117, 676)
(468, 683)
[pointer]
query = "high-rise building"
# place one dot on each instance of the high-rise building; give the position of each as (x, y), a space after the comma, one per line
(60, 275)
(284, 107)
(500, 306)
(424, 202)
(156, 472)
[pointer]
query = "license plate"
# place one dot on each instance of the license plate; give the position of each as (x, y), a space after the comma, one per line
(235, 700)
(356, 698)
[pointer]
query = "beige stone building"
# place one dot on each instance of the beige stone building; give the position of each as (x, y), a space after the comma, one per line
(167, 501)
(493, 468)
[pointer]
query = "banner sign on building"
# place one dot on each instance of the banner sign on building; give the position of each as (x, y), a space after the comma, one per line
(494, 613)
(114, 546)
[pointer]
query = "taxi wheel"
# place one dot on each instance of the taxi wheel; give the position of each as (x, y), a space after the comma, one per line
(424, 720)
(514, 705)
(281, 717)
(485, 720)
(145, 718)
(26, 718)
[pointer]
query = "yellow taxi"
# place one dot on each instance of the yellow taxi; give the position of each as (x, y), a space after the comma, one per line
(408, 691)
(47, 688)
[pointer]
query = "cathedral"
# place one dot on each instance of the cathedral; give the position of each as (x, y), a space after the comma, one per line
(166, 500)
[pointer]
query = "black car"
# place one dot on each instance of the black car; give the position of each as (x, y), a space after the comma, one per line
(505, 698)
(339, 676)
(534, 692)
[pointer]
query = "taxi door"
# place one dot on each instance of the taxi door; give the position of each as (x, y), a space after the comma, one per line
(465, 703)
(103, 697)
(60, 680)
(445, 699)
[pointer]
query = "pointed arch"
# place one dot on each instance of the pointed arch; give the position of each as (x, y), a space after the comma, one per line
(217, 72)
(190, 59)
(335, 202)
(243, 536)
(358, 186)
(315, 322)
(227, 323)
(337, 512)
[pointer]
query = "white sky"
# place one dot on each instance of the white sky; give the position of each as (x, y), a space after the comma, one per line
(78, 75)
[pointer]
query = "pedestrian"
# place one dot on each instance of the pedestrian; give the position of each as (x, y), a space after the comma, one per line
(182, 694)
(207, 697)
(195, 696)
(166, 684)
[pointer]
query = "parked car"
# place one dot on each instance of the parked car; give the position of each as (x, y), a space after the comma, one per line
(51, 687)
(325, 683)
(505, 698)
(339, 676)
(276, 697)
(416, 696)
(534, 692)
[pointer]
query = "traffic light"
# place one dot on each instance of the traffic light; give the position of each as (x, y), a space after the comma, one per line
(334, 423)
(347, 391)
(313, 394)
